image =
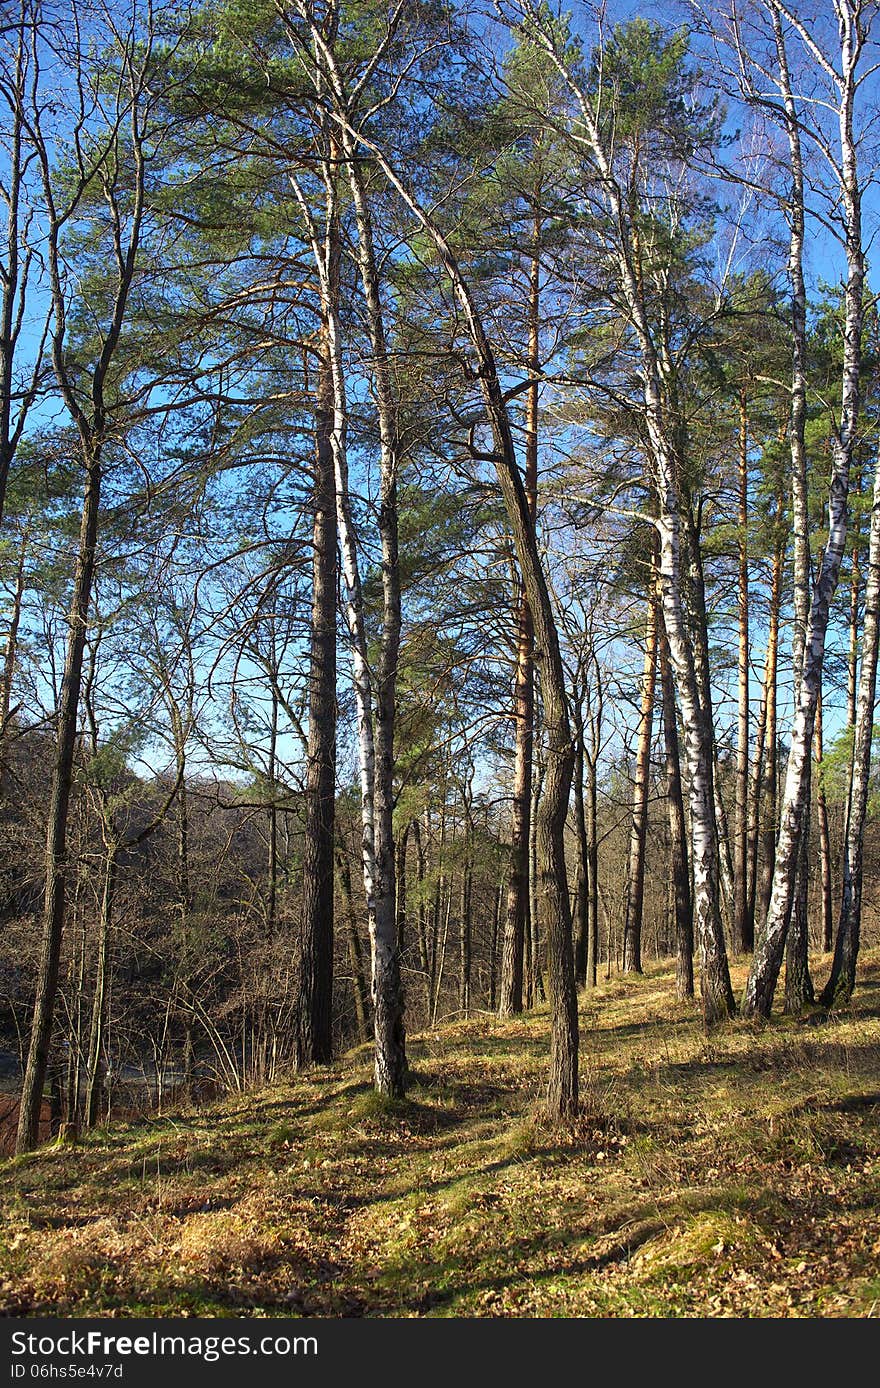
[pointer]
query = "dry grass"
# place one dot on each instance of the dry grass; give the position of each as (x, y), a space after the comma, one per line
(730, 1175)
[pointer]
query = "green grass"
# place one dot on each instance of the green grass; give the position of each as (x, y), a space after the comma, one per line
(730, 1175)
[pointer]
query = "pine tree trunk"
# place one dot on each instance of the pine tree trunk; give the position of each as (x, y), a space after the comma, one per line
(764, 779)
(401, 892)
(376, 839)
(464, 939)
(824, 836)
(581, 912)
(841, 983)
(798, 983)
(492, 991)
(533, 925)
(421, 913)
(314, 1034)
(592, 874)
(511, 993)
(635, 881)
(562, 1089)
(756, 787)
(359, 987)
(681, 882)
(326, 251)
(441, 952)
(437, 907)
(743, 925)
(694, 603)
(76, 976)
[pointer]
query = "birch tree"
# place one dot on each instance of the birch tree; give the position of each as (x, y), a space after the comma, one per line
(837, 143)
(563, 1080)
(325, 250)
(314, 41)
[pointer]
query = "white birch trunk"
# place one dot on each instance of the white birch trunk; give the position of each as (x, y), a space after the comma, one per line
(388, 1006)
(798, 985)
(563, 1081)
(717, 997)
(375, 696)
(322, 252)
(758, 996)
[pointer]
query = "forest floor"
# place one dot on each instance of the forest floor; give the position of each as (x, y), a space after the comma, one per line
(736, 1174)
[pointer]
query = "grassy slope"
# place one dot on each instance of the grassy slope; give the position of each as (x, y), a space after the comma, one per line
(732, 1175)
